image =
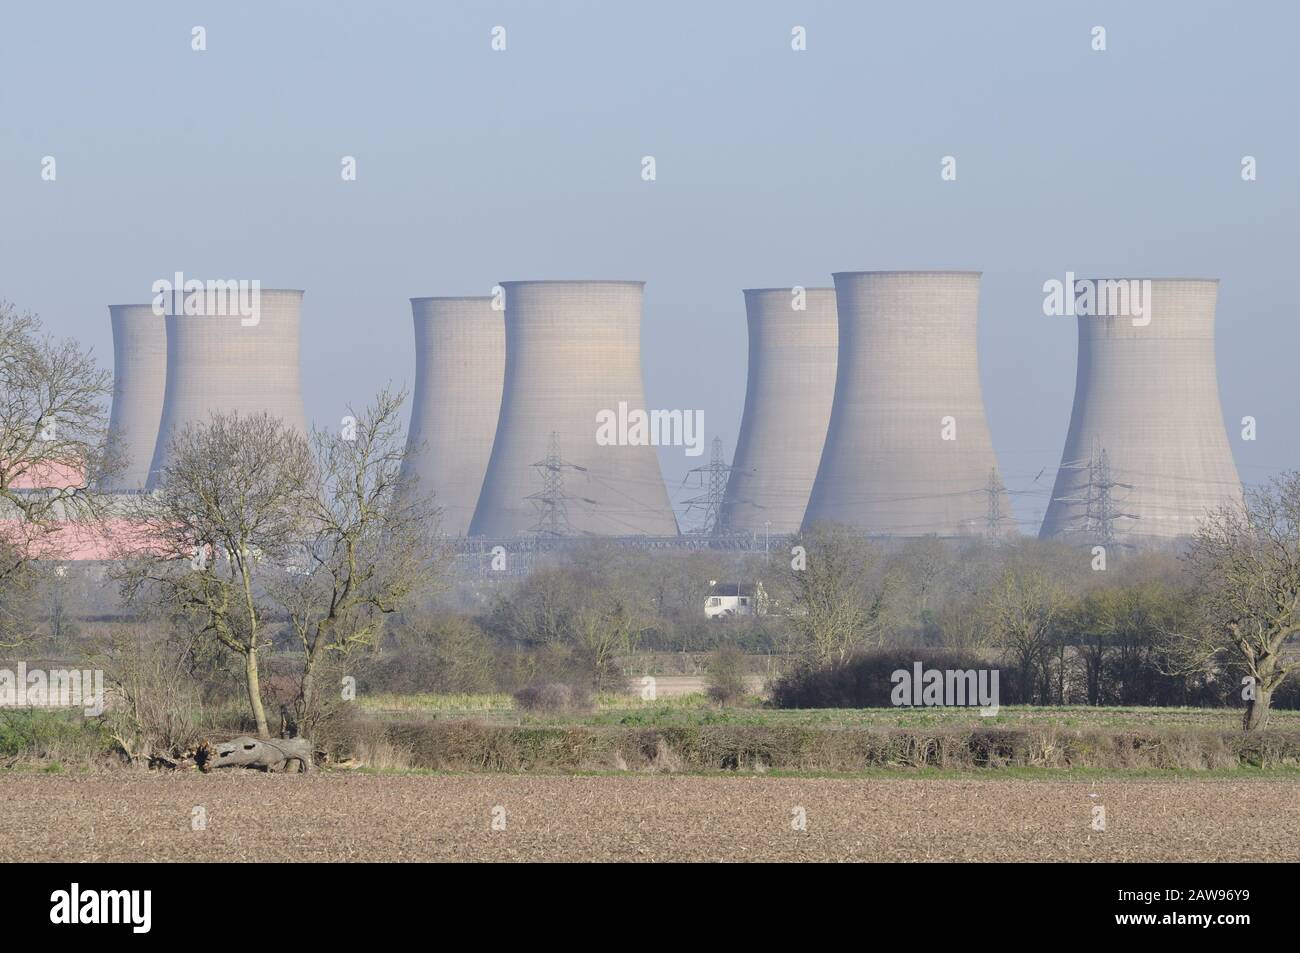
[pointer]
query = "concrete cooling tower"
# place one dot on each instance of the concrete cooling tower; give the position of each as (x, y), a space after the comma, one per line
(573, 351)
(139, 380)
(908, 451)
(788, 398)
(1146, 455)
(217, 363)
(460, 356)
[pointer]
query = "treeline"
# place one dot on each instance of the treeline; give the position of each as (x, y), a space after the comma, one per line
(867, 681)
(1060, 629)
(838, 620)
(576, 618)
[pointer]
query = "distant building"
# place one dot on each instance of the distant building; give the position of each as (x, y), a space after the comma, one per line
(220, 364)
(139, 384)
(1146, 457)
(460, 357)
(788, 398)
(573, 351)
(908, 451)
(729, 599)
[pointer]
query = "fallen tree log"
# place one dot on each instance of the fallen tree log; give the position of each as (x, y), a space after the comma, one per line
(266, 754)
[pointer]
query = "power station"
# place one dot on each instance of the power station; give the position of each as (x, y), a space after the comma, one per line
(139, 380)
(573, 353)
(908, 451)
(228, 363)
(863, 408)
(793, 336)
(460, 356)
(1146, 456)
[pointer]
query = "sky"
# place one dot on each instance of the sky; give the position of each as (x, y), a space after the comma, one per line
(774, 167)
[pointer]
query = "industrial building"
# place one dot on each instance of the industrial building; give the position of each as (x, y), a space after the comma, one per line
(460, 355)
(573, 352)
(139, 380)
(227, 364)
(793, 335)
(1146, 456)
(863, 408)
(908, 451)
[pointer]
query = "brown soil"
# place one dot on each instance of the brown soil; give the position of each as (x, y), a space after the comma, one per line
(338, 816)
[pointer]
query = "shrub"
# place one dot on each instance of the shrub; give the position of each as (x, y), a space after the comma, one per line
(1287, 695)
(864, 680)
(725, 680)
(474, 746)
(154, 706)
(51, 736)
(450, 655)
(552, 697)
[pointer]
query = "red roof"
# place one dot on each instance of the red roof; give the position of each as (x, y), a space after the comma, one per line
(76, 541)
(49, 474)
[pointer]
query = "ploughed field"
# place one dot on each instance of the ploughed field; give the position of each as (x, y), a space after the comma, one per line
(340, 816)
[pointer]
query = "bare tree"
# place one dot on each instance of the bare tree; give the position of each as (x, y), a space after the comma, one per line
(538, 610)
(604, 626)
(1023, 609)
(156, 706)
(227, 509)
(1092, 625)
(368, 545)
(839, 603)
(53, 434)
(964, 625)
(585, 612)
(925, 568)
(1247, 563)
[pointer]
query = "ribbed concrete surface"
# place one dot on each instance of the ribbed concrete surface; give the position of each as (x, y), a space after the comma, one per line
(216, 364)
(907, 359)
(788, 399)
(460, 356)
(573, 348)
(139, 381)
(1149, 397)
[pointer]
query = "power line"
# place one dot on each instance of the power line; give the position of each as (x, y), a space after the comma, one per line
(551, 503)
(1100, 512)
(718, 474)
(994, 489)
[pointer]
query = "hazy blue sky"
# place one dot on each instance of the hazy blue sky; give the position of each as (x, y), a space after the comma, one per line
(774, 168)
